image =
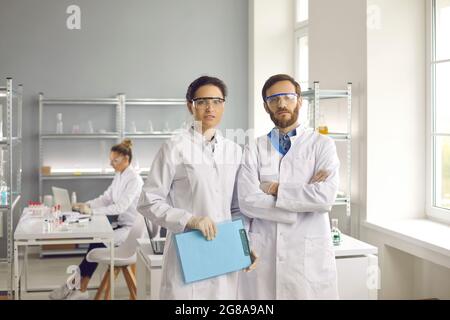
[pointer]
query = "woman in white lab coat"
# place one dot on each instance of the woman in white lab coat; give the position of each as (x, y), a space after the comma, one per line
(287, 184)
(191, 186)
(119, 200)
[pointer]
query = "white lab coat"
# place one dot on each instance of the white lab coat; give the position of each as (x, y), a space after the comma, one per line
(120, 199)
(290, 232)
(187, 178)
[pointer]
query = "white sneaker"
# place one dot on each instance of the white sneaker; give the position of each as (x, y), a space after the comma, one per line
(78, 295)
(60, 293)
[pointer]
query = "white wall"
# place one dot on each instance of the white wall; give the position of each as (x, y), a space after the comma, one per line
(396, 98)
(387, 62)
(271, 51)
(337, 54)
(144, 48)
(396, 113)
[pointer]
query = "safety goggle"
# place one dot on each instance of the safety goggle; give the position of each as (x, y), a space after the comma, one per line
(275, 99)
(116, 160)
(204, 102)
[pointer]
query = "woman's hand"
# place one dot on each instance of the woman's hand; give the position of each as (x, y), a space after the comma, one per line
(254, 258)
(81, 207)
(205, 225)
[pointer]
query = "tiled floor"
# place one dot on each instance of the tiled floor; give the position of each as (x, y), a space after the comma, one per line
(50, 272)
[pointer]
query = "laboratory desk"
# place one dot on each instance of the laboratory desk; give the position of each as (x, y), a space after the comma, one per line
(356, 261)
(148, 270)
(31, 231)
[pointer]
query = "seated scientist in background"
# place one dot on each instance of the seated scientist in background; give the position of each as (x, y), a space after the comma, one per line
(120, 199)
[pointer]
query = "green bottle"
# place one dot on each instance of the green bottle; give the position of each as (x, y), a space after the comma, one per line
(335, 232)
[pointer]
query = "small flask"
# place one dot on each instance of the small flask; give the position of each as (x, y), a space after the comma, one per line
(133, 128)
(335, 232)
(323, 128)
(150, 126)
(74, 198)
(90, 127)
(59, 124)
(166, 127)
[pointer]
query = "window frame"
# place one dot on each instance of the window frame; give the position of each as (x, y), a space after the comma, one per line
(433, 212)
(300, 31)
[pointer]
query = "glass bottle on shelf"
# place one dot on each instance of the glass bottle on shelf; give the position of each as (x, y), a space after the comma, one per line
(103, 152)
(73, 198)
(323, 128)
(166, 127)
(133, 128)
(150, 126)
(335, 232)
(3, 190)
(90, 127)
(59, 123)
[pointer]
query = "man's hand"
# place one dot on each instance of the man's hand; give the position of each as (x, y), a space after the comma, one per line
(254, 258)
(205, 225)
(269, 187)
(320, 176)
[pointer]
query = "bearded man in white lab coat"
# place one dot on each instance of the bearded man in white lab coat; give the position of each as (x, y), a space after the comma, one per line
(287, 183)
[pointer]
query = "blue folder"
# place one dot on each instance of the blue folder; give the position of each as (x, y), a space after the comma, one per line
(201, 259)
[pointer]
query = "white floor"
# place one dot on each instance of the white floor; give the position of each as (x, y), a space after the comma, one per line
(50, 272)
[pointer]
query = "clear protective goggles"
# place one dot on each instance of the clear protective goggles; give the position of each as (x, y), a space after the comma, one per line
(116, 161)
(204, 102)
(284, 98)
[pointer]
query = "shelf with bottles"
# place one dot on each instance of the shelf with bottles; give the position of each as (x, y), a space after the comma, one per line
(149, 132)
(86, 174)
(78, 101)
(15, 198)
(155, 102)
(337, 106)
(149, 135)
(106, 135)
(6, 141)
(77, 175)
(152, 119)
(49, 173)
(312, 94)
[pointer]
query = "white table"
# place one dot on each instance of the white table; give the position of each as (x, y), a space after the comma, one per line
(357, 269)
(355, 260)
(30, 231)
(148, 269)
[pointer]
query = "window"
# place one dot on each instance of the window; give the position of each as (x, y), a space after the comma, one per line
(440, 110)
(301, 51)
(301, 11)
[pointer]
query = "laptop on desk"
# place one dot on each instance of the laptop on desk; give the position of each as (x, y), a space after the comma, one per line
(61, 197)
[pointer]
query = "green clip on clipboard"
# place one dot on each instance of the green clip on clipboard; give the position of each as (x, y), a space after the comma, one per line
(201, 259)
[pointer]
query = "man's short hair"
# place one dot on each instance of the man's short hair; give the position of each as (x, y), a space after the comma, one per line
(277, 78)
(203, 81)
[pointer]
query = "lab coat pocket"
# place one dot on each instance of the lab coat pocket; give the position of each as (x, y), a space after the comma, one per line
(320, 264)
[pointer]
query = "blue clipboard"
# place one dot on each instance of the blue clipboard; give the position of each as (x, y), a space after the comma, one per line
(201, 259)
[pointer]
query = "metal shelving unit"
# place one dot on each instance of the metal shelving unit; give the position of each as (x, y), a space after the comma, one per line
(314, 96)
(121, 104)
(148, 103)
(46, 137)
(11, 165)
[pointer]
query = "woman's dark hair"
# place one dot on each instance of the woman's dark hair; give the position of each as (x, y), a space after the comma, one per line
(203, 81)
(124, 148)
(277, 78)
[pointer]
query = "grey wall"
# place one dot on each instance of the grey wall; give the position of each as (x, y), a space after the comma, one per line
(144, 48)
